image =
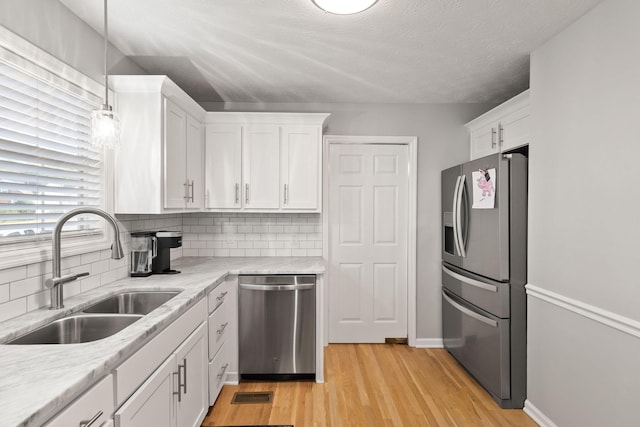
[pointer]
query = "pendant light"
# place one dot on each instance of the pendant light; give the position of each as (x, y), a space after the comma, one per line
(105, 124)
(344, 7)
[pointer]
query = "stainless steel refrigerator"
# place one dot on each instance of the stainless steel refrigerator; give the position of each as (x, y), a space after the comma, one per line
(484, 244)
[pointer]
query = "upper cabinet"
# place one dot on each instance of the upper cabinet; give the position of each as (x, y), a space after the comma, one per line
(501, 129)
(159, 165)
(263, 162)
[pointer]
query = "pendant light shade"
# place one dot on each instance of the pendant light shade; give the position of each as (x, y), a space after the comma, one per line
(344, 7)
(105, 125)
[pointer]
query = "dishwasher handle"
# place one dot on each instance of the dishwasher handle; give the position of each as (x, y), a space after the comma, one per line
(300, 287)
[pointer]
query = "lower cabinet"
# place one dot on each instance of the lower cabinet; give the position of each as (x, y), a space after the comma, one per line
(176, 393)
(93, 408)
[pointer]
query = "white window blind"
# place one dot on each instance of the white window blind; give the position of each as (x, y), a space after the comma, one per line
(47, 165)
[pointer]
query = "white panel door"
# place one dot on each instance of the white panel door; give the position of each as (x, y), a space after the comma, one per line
(195, 151)
(223, 166)
(261, 167)
(175, 162)
(300, 167)
(368, 216)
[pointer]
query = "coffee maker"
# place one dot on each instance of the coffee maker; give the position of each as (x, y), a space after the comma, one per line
(166, 240)
(144, 249)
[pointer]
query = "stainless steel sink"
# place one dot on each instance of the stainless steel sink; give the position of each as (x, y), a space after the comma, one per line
(77, 329)
(142, 302)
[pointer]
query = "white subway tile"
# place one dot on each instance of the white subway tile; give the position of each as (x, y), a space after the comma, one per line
(200, 244)
(206, 252)
(90, 257)
(284, 236)
(253, 219)
(276, 229)
(214, 229)
(283, 252)
(221, 252)
(100, 267)
(268, 252)
(13, 308)
(39, 269)
(307, 244)
(275, 244)
(71, 288)
(13, 274)
(260, 244)
(291, 228)
(39, 300)
(314, 252)
(298, 252)
(230, 244)
(214, 244)
(70, 262)
(308, 228)
(283, 220)
(190, 252)
(314, 236)
(318, 244)
(292, 244)
(252, 252)
(205, 221)
(252, 236)
(245, 228)
(22, 288)
(92, 282)
(243, 244)
(4, 293)
(236, 252)
(260, 228)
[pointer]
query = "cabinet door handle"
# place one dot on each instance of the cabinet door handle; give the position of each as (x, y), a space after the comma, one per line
(91, 421)
(285, 194)
(493, 138)
(192, 191)
(237, 193)
(186, 190)
(500, 134)
(246, 193)
(222, 328)
(178, 392)
(221, 373)
(184, 367)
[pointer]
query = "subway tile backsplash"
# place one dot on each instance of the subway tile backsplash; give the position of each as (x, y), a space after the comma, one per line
(252, 234)
(204, 234)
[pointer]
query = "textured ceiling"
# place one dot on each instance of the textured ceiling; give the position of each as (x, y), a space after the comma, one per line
(416, 51)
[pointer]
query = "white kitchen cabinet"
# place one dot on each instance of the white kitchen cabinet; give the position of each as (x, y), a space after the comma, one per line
(300, 167)
(158, 167)
(501, 129)
(193, 386)
(261, 166)
(223, 166)
(95, 405)
(223, 342)
(263, 162)
(176, 393)
(153, 403)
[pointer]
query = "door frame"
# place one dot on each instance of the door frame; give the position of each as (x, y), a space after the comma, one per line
(412, 143)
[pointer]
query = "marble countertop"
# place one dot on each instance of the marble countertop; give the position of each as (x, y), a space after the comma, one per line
(37, 381)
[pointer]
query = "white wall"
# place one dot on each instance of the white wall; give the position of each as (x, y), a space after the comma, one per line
(55, 29)
(583, 221)
(442, 142)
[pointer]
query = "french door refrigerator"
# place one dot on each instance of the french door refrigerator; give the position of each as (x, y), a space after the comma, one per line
(484, 243)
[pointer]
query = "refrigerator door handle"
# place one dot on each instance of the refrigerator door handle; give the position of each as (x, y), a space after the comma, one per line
(458, 215)
(469, 281)
(470, 313)
(454, 210)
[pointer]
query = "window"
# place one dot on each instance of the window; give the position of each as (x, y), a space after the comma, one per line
(47, 165)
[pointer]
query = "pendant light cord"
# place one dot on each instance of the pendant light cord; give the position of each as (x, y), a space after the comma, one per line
(106, 47)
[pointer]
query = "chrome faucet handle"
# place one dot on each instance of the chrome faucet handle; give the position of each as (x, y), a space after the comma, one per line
(54, 281)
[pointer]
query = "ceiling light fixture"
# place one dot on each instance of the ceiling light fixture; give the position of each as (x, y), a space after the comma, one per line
(105, 124)
(344, 7)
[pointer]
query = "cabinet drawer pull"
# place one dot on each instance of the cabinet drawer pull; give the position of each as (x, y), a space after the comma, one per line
(178, 392)
(91, 421)
(184, 367)
(493, 138)
(285, 194)
(222, 295)
(221, 372)
(246, 193)
(222, 328)
(500, 134)
(237, 193)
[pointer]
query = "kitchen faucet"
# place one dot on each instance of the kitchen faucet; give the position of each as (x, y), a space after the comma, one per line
(56, 282)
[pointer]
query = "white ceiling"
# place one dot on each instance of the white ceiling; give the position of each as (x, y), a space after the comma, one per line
(414, 51)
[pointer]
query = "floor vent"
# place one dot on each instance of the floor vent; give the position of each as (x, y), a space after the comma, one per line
(396, 341)
(252, 397)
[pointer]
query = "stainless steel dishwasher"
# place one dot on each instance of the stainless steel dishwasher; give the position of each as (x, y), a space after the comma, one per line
(277, 327)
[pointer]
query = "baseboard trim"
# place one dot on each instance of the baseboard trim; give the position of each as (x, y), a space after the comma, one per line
(536, 415)
(608, 318)
(232, 378)
(429, 343)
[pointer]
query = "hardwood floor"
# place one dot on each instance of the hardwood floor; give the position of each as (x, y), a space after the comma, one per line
(373, 385)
